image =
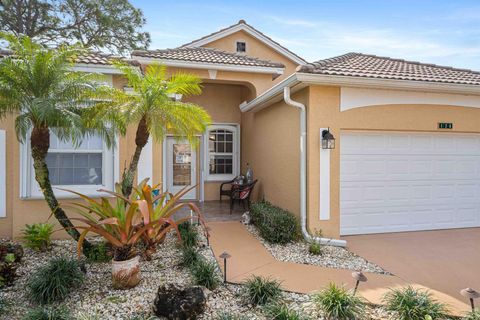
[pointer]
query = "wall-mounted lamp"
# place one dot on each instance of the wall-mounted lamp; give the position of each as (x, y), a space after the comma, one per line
(328, 140)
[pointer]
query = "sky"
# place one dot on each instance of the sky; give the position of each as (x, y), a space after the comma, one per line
(441, 32)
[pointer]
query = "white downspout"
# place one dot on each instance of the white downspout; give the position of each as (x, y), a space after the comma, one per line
(303, 174)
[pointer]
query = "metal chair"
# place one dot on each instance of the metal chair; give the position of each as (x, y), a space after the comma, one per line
(242, 193)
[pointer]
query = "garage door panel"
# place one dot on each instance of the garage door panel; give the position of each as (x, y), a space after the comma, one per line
(409, 182)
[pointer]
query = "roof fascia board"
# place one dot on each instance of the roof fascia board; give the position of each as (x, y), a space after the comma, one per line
(93, 68)
(252, 32)
(410, 85)
(210, 66)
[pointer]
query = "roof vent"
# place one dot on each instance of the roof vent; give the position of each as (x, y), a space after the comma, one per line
(241, 21)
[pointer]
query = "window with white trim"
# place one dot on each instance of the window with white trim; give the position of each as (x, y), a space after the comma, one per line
(84, 168)
(222, 152)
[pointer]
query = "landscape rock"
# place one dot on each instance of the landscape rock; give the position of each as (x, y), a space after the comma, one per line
(176, 303)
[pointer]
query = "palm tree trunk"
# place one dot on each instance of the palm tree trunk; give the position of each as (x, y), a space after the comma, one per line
(40, 143)
(141, 139)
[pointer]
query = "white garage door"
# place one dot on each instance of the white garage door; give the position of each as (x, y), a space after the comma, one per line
(392, 182)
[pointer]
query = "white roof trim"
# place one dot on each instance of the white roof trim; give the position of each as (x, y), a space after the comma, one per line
(274, 94)
(210, 66)
(252, 32)
(96, 68)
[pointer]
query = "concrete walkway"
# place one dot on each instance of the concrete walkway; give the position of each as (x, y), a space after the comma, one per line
(249, 257)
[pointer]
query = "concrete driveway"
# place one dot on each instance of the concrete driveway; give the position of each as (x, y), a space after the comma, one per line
(444, 260)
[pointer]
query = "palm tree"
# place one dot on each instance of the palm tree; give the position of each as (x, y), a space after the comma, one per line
(153, 107)
(39, 89)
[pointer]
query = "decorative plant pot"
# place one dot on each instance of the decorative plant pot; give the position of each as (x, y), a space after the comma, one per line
(126, 274)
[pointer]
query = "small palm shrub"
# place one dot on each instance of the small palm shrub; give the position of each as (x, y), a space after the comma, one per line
(414, 304)
(189, 234)
(473, 315)
(205, 274)
(48, 313)
(339, 304)
(190, 256)
(274, 224)
(55, 280)
(260, 291)
(37, 236)
(8, 269)
(280, 311)
(100, 252)
(229, 316)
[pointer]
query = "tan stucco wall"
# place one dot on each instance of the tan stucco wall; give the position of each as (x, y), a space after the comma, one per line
(255, 48)
(270, 144)
(324, 111)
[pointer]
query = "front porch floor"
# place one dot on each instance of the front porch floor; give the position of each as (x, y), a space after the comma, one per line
(216, 211)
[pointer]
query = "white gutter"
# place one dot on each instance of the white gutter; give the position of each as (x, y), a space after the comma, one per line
(303, 174)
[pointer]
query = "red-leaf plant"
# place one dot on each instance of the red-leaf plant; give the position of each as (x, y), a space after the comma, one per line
(124, 222)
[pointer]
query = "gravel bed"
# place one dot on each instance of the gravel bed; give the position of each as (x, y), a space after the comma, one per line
(97, 297)
(331, 257)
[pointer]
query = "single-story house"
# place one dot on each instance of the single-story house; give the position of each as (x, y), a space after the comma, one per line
(353, 144)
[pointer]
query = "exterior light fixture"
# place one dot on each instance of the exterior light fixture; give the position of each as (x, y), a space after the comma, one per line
(471, 294)
(328, 140)
(207, 234)
(359, 277)
(225, 256)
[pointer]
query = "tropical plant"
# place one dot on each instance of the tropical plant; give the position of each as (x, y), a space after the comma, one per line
(54, 281)
(100, 252)
(190, 256)
(260, 291)
(37, 236)
(8, 269)
(414, 304)
(39, 89)
(281, 311)
(162, 207)
(5, 306)
(473, 315)
(229, 316)
(48, 313)
(315, 248)
(189, 234)
(339, 304)
(155, 110)
(205, 273)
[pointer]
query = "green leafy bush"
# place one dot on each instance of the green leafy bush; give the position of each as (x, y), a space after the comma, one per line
(49, 313)
(274, 224)
(190, 256)
(4, 306)
(205, 274)
(280, 311)
(473, 315)
(414, 304)
(229, 316)
(55, 280)
(37, 236)
(338, 303)
(260, 291)
(189, 234)
(8, 269)
(315, 248)
(100, 252)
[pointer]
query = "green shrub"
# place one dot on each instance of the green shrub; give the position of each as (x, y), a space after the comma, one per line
(55, 280)
(229, 316)
(414, 304)
(37, 236)
(274, 224)
(205, 274)
(260, 291)
(338, 303)
(49, 313)
(189, 234)
(190, 256)
(473, 315)
(100, 252)
(4, 306)
(315, 248)
(280, 311)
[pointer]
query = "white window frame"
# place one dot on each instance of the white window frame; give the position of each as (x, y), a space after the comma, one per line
(235, 128)
(29, 188)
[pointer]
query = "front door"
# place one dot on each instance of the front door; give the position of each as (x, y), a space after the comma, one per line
(181, 167)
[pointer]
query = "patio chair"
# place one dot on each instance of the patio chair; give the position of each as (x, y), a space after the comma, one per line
(242, 193)
(226, 192)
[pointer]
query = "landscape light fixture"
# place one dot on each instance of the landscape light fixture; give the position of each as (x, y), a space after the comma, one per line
(225, 256)
(328, 140)
(471, 294)
(359, 277)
